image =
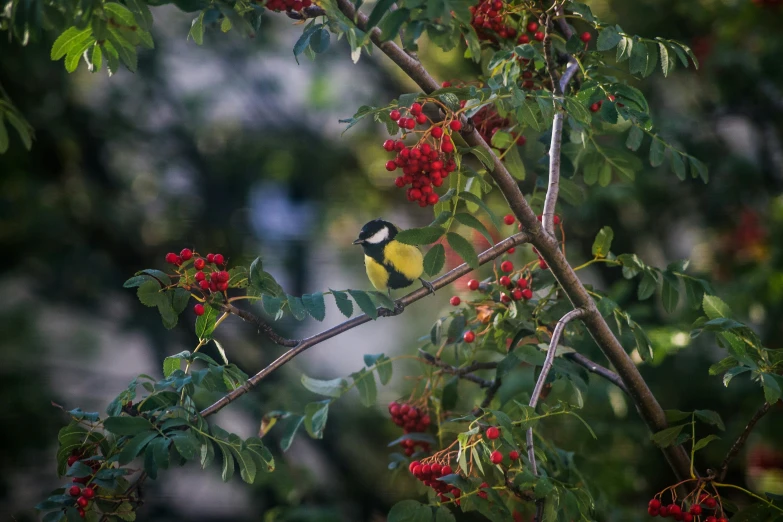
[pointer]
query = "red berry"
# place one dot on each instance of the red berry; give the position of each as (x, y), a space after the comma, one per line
(527, 293)
(421, 119)
(504, 281)
(496, 457)
(664, 511)
(507, 266)
(522, 283)
(204, 285)
(391, 165)
(410, 124)
(82, 502)
(445, 470)
(585, 37)
(710, 519)
(81, 512)
(416, 109)
(509, 219)
(504, 298)
(437, 132)
(399, 181)
(687, 517)
(539, 36)
(445, 84)
(388, 145)
(516, 294)
(511, 250)
(455, 125)
(432, 199)
(710, 503)
(469, 337)
(674, 509)
(199, 264)
(653, 512)
(186, 254)
(523, 39)
(413, 465)
(723, 519)
(88, 493)
(455, 300)
(223, 276)
(222, 287)
(219, 260)
(556, 219)
(595, 107)
(695, 509)
(513, 454)
(473, 284)
(199, 308)
(74, 491)
(171, 258)
(210, 258)
(447, 146)
(532, 27)
(493, 433)
(542, 264)
(72, 460)
(654, 503)
(394, 115)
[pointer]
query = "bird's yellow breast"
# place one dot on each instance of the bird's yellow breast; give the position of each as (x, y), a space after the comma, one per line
(378, 275)
(406, 259)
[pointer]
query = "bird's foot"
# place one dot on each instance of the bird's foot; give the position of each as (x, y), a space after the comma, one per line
(398, 309)
(427, 285)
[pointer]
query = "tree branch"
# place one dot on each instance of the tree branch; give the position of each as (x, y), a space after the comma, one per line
(463, 373)
(596, 368)
(737, 446)
(550, 359)
(444, 280)
(549, 249)
(262, 326)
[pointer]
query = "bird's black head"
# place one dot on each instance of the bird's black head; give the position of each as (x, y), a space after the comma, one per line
(376, 232)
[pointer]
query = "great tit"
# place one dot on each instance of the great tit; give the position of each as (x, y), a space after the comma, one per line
(389, 263)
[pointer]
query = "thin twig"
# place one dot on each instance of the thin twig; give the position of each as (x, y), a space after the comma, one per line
(444, 280)
(737, 446)
(463, 373)
(262, 326)
(596, 368)
(550, 359)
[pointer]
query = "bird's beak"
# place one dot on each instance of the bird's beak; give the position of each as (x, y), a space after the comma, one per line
(358, 241)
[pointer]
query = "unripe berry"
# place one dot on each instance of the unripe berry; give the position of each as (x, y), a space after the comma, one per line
(74, 491)
(394, 115)
(496, 457)
(473, 284)
(455, 300)
(585, 37)
(509, 219)
(82, 502)
(455, 125)
(469, 336)
(507, 266)
(171, 258)
(199, 308)
(493, 433)
(513, 454)
(199, 263)
(186, 254)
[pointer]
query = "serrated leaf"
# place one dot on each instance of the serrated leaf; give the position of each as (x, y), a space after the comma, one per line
(316, 414)
(419, 236)
(227, 469)
(603, 242)
(484, 156)
(409, 511)
(647, 285)
(292, 425)
(127, 425)
(315, 305)
(344, 304)
(666, 438)
(667, 61)
(365, 303)
(331, 388)
(463, 248)
(435, 259)
(382, 365)
(733, 372)
(676, 415)
(710, 417)
(472, 222)
(187, 445)
(205, 324)
(469, 196)
(608, 39)
(365, 384)
(670, 292)
(635, 137)
(624, 49)
(69, 39)
(701, 443)
(296, 306)
(714, 307)
(392, 23)
(771, 388)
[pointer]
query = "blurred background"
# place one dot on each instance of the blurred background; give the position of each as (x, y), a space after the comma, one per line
(234, 148)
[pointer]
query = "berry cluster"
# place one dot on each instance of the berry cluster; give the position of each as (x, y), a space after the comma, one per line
(209, 277)
(496, 457)
(412, 420)
(488, 121)
(656, 508)
(287, 5)
(427, 163)
(490, 16)
(83, 494)
(430, 474)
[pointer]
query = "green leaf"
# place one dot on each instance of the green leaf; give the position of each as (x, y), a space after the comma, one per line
(603, 242)
(472, 222)
(678, 165)
(365, 384)
(272, 305)
(332, 388)
(463, 248)
(698, 169)
(676, 415)
(124, 49)
(227, 470)
(297, 307)
(657, 152)
(710, 417)
(605, 175)
(514, 163)
(380, 9)
(382, 299)
(450, 393)
(315, 418)
(187, 445)
(419, 236)
(315, 305)
(701, 443)
(79, 470)
(292, 425)
(205, 324)
(343, 303)
(639, 58)
(141, 13)
(643, 342)
(670, 293)
(71, 38)
(714, 307)
(635, 137)
(435, 259)
(647, 285)
(262, 456)
(365, 303)
(197, 29)
(667, 437)
(390, 25)
(409, 511)
(469, 196)
(667, 61)
(771, 388)
(484, 156)
(173, 363)
(263, 281)
(733, 372)
(127, 425)
(608, 39)
(382, 365)
(444, 515)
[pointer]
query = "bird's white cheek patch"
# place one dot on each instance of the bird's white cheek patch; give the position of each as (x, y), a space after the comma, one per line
(379, 236)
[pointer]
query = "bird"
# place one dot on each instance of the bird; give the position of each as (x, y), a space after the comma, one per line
(389, 263)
